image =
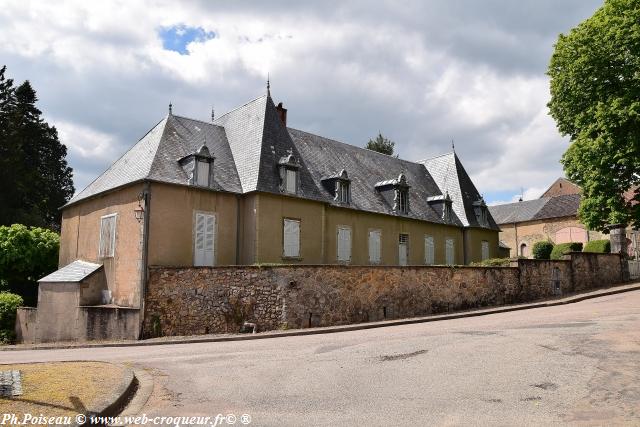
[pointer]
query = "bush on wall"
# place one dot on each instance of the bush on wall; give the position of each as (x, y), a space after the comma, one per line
(492, 262)
(542, 249)
(9, 303)
(563, 248)
(598, 246)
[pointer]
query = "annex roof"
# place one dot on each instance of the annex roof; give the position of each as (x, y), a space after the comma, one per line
(537, 209)
(74, 272)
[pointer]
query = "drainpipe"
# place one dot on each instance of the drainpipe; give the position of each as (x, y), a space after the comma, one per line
(465, 241)
(146, 195)
(515, 229)
(239, 200)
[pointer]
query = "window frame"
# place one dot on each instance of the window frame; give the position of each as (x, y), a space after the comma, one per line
(195, 237)
(453, 251)
(112, 246)
(288, 172)
(344, 227)
(369, 233)
(484, 245)
(284, 254)
(427, 261)
(406, 243)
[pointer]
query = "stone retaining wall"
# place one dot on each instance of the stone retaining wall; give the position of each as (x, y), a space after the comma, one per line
(200, 300)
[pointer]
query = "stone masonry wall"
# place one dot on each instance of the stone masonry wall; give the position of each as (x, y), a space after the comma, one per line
(201, 300)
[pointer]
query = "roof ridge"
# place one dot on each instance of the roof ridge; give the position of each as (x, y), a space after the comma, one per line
(355, 146)
(239, 107)
(196, 120)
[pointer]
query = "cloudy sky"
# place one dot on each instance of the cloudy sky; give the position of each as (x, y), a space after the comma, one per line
(421, 72)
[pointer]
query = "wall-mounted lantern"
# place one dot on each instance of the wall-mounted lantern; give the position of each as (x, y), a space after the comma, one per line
(138, 211)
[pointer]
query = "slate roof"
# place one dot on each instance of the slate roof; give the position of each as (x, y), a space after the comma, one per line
(74, 272)
(538, 209)
(249, 142)
(451, 177)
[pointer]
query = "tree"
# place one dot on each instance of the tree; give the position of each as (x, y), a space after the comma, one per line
(381, 145)
(595, 100)
(542, 249)
(26, 255)
(34, 173)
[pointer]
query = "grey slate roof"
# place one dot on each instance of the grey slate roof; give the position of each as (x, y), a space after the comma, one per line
(249, 142)
(538, 209)
(451, 177)
(74, 272)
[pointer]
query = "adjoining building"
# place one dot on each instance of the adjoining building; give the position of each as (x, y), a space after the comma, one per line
(554, 217)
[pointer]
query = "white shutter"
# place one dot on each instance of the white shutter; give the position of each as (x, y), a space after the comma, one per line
(374, 246)
(403, 249)
(291, 181)
(203, 173)
(291, 238)
(450, 252)
(429, 250)
(107, 236)
(204, 248)
(344, 244)
(485, 250)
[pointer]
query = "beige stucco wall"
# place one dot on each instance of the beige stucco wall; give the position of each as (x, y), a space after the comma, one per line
(80, 239)
(534, 231)
(172, 215)
(318, 233)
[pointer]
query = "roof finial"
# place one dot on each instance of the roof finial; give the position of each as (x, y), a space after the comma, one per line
(268, 86)
(213, 114)
(170, 108)
(453, 146)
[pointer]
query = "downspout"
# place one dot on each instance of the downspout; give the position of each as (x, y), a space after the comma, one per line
(515, 229)
(239, 239)
(465, 241)
(146, 196)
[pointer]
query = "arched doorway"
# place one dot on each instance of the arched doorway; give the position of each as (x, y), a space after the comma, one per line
(571, 234)
(524, 250)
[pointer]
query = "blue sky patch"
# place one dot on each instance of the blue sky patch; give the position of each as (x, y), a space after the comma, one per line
(177, 37)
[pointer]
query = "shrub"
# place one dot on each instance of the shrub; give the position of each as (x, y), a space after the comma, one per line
(562, 248)
(8, 305)
(492, 262)
(542, 249)
(598, 246)
(26, 255)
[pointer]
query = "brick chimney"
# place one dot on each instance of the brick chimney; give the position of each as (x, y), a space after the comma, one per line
(282, 113)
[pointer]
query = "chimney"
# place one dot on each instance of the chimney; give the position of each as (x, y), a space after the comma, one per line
(282, 113)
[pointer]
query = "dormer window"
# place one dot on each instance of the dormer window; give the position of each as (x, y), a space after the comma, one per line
(339, 185)
(480, 210)
(399, 190)
(447, 211)
(289, 168)
(199, 167)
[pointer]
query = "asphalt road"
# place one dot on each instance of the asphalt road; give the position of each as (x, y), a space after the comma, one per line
(577, 364)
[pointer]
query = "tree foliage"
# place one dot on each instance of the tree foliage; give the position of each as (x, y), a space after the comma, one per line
(598, 246)
(595, 100)
(9, 303)
(542, 249)
(26, 255)
(34, 174)
(381, 145)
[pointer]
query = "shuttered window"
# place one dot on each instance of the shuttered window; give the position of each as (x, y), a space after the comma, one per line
(202, 173)
(291, 181)
(374, 246)
(344, 244)
(449, 250)
(107, 246)
(291, 238)
(204, 237)
(485, 250)
(429, 250)
(403, 249)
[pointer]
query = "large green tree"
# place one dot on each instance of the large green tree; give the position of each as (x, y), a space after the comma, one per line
(595, 100)
(35, 177)
(381, 145)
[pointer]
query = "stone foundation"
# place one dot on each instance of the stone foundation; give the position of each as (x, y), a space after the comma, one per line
(201, 300)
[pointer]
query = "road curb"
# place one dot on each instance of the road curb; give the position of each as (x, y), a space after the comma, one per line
(347, 328)
(139, 398)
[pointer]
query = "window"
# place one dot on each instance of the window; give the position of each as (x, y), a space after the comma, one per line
(524, 250)
(343, 194)
(429, 250)
(344, 244)
(449, 250)
(402, 200)
(107, 246)
(291, 240)
(485, 250)
(403, 249)
(375, 240)
(202, 173)
(204, 239)
(291, 178)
